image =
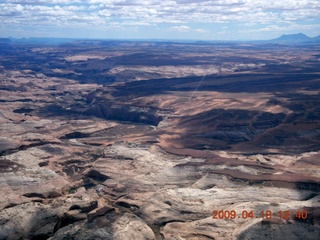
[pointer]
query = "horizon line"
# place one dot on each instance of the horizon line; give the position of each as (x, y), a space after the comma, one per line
(154, 39)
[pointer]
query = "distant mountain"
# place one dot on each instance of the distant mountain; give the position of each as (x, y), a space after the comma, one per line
(5, 40)
(317, 39)
(295, 39)
(292, 38)
(42, 41)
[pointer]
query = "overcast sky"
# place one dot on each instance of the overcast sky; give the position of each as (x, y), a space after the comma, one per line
(159, 19)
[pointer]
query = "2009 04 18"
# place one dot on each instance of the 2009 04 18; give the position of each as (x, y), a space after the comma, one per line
(268, 214)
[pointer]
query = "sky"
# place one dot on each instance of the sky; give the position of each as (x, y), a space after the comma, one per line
(159, 19)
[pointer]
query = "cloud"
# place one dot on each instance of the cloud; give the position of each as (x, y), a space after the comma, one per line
(285, 28)
(180, 13)
(191, 10)
(181, 28)
(187, 29)
(43, 2)
(201, 30)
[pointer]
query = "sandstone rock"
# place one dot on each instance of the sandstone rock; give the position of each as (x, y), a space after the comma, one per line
(83, 156)
(28, 221)
(111, 226)
(277, 230)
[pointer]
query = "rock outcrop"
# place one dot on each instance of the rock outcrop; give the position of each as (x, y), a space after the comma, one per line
(232, 155)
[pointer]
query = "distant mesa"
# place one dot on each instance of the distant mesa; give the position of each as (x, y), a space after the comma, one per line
(298, 38)
(5, 40)
(295, 38)
(316, 38)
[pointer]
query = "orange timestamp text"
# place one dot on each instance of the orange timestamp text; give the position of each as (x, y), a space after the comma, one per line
(268, 214)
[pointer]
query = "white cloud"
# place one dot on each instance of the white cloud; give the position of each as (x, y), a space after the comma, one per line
(187, 29)
(151, 12)
(193, 10)
(286, 28)
(41, 2)
(181, 28)
(201, 30)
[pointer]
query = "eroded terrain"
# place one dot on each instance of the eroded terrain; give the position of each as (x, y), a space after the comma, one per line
(125, 140)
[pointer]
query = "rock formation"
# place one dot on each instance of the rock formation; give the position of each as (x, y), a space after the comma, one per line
(87, 154)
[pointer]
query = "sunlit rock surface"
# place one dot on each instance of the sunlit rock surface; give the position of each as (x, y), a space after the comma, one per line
(90, 151)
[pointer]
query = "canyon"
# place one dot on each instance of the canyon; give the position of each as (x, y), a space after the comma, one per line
(145, 140)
